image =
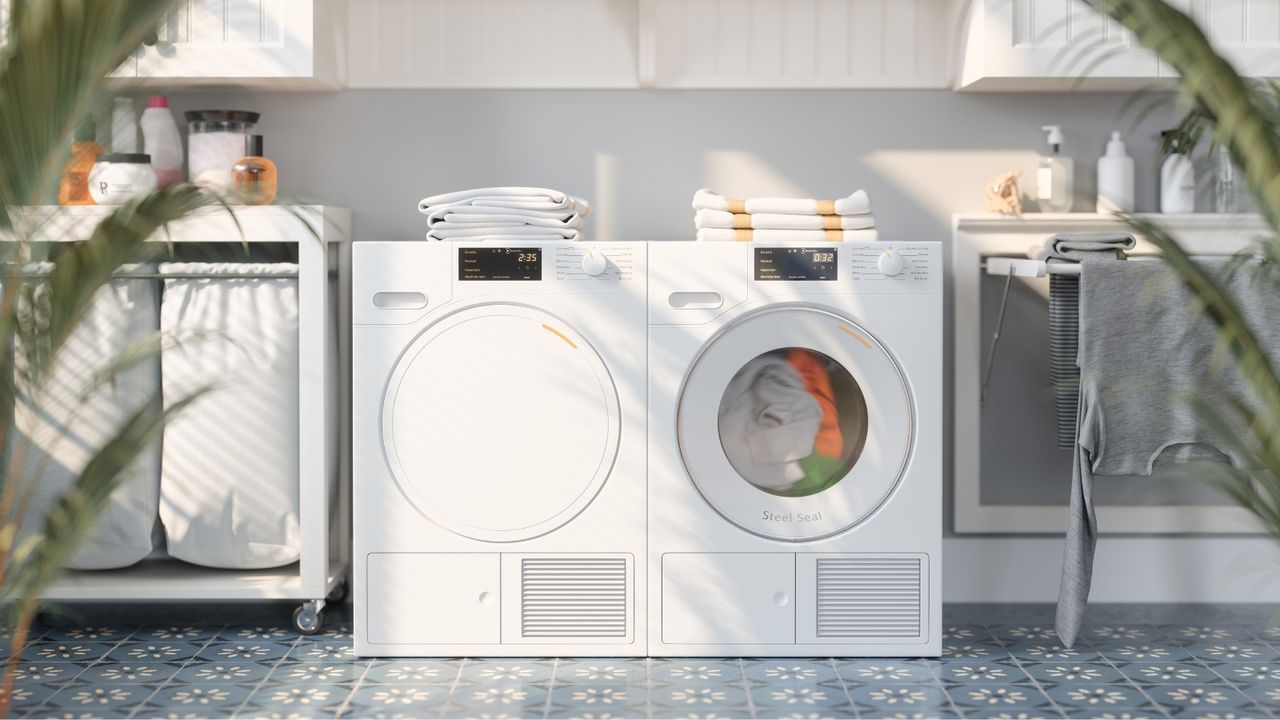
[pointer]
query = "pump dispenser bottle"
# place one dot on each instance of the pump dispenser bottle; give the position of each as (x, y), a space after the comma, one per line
(1115, 178)
(1053, 176)
(1177, 179)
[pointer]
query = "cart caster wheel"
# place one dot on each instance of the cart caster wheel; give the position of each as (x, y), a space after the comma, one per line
(340, 593)
(308, 619)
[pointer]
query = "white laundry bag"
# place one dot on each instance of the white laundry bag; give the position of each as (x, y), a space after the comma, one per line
(229, 473)
(80, 408)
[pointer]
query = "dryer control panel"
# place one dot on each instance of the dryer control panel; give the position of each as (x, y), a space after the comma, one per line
(881, 261)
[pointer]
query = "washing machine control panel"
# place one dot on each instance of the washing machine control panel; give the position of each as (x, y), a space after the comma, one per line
(500, 263)
(602, 264)
(797, 264)
(899, 261)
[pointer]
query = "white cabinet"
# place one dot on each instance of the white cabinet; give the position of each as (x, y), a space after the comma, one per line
(1065, 44)
(651, 43)
(214, 41)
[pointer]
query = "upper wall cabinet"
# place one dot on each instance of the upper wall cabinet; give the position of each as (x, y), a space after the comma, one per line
(1065, 44)
(651, 43)
(269, 43)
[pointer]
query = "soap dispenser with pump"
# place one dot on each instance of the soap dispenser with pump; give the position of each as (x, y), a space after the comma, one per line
(1115, 178)
(1053, 176)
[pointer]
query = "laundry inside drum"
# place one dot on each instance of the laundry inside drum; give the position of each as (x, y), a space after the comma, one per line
(793, 422)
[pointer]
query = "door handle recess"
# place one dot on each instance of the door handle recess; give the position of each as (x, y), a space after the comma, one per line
(400, 300)
(695, 300)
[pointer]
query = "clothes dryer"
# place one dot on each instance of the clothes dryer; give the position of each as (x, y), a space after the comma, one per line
(499, 448)
(795, 449)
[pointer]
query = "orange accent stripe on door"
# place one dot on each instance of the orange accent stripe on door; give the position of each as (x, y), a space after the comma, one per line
(850, 331)
(559, 334)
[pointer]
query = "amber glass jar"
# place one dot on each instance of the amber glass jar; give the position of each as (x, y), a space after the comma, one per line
(254, 177)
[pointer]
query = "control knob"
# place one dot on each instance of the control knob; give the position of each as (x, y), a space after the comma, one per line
(890, 263)
(594, 263)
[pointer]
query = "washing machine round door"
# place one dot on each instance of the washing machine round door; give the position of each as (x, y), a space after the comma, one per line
(795, 423)
(500, 422)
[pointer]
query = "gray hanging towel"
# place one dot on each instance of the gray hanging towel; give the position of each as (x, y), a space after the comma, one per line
(1144, 351)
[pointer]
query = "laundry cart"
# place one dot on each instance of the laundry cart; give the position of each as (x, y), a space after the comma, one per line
(307, 245)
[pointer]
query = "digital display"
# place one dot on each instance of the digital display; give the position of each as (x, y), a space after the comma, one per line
(500, 263)
(796, 263)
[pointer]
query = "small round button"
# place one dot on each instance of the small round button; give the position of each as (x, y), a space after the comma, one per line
(781, 599)
(594, 263)
(486, 599)
(890, 263)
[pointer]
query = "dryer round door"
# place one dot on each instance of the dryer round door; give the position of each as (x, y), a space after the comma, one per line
(795, 423)
(500, 422)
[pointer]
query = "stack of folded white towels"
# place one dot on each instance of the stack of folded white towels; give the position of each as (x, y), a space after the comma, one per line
(504, 214)
(783, 219)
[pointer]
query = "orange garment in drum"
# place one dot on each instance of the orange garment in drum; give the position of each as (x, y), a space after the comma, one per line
(829, 441)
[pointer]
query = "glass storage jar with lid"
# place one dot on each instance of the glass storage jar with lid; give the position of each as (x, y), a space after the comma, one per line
(215, 143)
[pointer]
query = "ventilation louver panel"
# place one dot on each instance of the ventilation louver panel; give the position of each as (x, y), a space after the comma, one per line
(573, 597)
(869, 597)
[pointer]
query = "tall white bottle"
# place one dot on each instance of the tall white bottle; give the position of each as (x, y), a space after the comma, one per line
(1053, 176)
(162, 141)
(124, 126)
(1177, 181)
(1115, 178)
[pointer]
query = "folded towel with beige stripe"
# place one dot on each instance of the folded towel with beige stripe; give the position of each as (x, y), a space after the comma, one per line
(504, 213)
(781, 221)
(786, 236)
(856, 204)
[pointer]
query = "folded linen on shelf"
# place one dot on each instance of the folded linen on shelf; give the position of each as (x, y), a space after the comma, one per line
(1080, 246)
(707, 218)
(1141, 353)
(451, 231)
(786, 236)
(856, 204)
(82, 404)
(481, 215)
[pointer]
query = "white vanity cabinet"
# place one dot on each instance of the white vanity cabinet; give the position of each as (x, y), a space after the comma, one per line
(1065, 44)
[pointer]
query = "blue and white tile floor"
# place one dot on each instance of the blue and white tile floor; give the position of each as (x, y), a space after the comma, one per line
(1001, 661)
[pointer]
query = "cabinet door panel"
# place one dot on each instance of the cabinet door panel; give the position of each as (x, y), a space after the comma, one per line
(233, 39)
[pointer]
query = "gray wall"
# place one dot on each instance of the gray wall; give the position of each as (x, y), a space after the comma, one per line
(639, 156)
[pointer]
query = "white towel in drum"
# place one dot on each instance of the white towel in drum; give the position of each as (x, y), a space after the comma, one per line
(768, 421)
(856, 204)
(707, 218)
(229, 478)
(450, 231)
(80, 409)
(786, 236)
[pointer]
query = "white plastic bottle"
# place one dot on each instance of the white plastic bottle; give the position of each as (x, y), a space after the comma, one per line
(124, 127)
(1177, 181)
(1053, 176)
(162, 141)
(1115, 178)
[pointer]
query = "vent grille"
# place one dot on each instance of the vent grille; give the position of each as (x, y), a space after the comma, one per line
(573, 597)
(869, 597)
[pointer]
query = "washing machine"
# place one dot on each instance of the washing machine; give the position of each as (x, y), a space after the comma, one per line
(795, 449)
(499, 413)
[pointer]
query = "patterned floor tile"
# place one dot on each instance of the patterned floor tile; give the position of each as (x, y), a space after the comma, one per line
(29, 695)
(596, 698)
(175, 633)
(1012, 714)
(1101, 698)
(879, 672)
(231, 672)
(1168, 673)
(1142, 651)
(1233, 651)
(1069, 673)
(413, 672)
(397, 697)
(128, 673)
(242, 652)
(1248, 672)
(978, 672)
(41, 652)
(1205, 697)
(1049, 651)
(831, 694)
(1193, 634)
(696, 670)
(604, 670)
(1264, 694)
(331, 651)
(152, 652)
(698, 697)
(257, 634)
(911, 698)
(323, 673)
(508, 671)
(48, 672)
(971, 650)
(1122, 634)
(1142, 712)
(87, 633)
(302, 698)
(500, 697)
(999, 696)
(199, 697)
(845, 711)
(1032, 634)
(92, 698)
(810, 672)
